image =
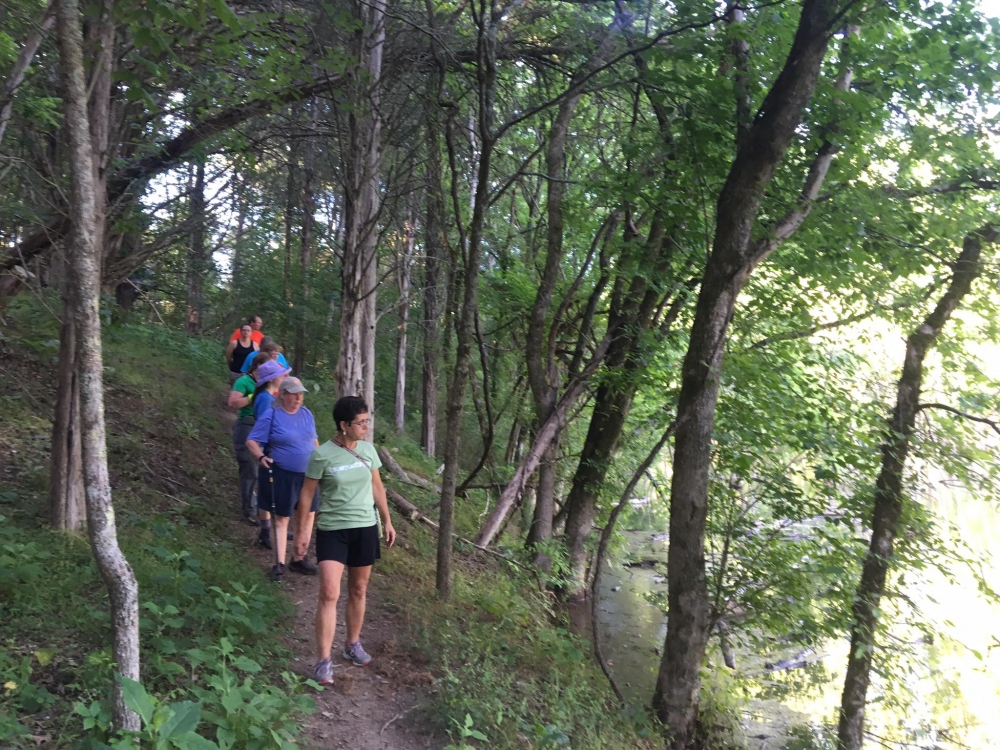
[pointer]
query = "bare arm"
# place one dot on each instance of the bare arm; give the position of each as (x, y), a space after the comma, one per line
(229, 352)
(237, 400)
(258, 453)
(304, 516)
(378, 489)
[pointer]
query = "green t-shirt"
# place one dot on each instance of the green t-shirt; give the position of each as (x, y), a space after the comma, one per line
(345, 485)
(245, 385)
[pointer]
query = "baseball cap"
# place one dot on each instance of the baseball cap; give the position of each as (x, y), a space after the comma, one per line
(292, 385)
(271, 370)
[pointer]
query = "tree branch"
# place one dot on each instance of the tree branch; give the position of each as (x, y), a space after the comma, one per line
(994, 424)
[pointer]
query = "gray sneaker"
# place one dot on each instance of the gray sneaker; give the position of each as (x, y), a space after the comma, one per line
(358, 655)
(324, 672)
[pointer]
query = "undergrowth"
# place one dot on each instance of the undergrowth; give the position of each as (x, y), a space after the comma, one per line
(207, 621)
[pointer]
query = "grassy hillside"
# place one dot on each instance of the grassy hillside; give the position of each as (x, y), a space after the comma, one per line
(500, 653)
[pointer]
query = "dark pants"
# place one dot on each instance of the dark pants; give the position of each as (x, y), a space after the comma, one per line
(248, 467)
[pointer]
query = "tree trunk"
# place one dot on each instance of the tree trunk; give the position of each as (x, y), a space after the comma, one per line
(464, 333)
(197, 256)
(306, 241)
(66, 493)
(85, 276)
(433, 246)
(355, 372)
(403, 278)
(888, 505)
(544, 503)
(729, 265)
(21, 66)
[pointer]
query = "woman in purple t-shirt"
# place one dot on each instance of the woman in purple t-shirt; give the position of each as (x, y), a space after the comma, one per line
(281, 441)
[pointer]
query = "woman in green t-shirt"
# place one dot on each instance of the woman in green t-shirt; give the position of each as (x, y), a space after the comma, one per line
(346, 471)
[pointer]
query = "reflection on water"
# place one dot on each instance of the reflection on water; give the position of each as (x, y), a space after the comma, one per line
(953, 677)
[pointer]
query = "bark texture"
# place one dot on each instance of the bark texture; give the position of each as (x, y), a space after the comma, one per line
(355, 371)
(888, 503)
(433, 250)
(67, 504)
(731, 261)
(85, 271)
(403, 281)
(197, 265)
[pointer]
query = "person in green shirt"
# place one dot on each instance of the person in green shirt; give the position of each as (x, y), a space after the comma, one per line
(347, 535)
(240, 398)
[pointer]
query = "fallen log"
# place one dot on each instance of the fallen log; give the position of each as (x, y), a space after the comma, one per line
(400, 472)
(413, 513)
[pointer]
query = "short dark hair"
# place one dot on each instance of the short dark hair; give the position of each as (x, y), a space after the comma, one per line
(251, 320)
(347, 408)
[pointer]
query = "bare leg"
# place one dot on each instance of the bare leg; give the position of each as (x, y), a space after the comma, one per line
(280, 536)
(330, 573)
(357, 589)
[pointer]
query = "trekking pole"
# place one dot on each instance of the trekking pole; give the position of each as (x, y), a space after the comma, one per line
(274, 514)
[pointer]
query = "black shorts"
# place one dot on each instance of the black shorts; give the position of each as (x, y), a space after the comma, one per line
(278, 491)
(355, 548)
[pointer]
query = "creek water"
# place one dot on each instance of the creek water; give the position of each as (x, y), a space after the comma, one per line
(952, 679)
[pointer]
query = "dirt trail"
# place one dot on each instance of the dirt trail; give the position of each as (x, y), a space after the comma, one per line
(377, 707)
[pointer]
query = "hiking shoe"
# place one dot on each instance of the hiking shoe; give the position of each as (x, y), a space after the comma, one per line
(264, 537)
(250, 520)
(324, 672)
(358, 655)
(277, 571)
(303, 566)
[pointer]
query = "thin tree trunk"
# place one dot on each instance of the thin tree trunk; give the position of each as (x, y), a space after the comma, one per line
(730, 264)
(464, 334)
(291, 207)
(197, 256)
(888, 504)
(543, 375)
(66, 493)
(306, 240)
(403, 276)
(21, 66)
(85, 298)
(433, 246)
(355, 372)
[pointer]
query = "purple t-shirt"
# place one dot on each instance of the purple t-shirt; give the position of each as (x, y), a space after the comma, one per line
(289, 438)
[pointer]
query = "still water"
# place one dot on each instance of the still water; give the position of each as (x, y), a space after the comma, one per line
(953, 676)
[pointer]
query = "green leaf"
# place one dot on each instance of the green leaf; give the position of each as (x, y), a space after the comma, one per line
(184, 718)
(226, 14)
(246, 664)
(136, 698)
(194, 741)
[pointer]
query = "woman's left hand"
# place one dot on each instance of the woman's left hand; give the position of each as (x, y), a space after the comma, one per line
(390, 534)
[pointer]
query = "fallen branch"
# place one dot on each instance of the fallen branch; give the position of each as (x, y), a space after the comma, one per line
(397, 716)
(400, 472)
(413, 513)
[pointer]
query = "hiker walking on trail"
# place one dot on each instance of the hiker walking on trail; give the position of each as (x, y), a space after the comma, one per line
(240, 398)
(345, 469)
(282, 441)
(270, 375)
(256, 324)
(237, 351)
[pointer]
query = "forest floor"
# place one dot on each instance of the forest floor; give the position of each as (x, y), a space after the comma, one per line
(368, 708)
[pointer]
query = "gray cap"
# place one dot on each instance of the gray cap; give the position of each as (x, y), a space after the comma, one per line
(292, 385)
